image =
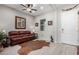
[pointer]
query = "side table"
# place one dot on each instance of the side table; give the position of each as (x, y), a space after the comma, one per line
(36, 35)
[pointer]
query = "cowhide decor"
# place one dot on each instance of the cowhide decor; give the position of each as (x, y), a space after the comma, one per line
(27, 47)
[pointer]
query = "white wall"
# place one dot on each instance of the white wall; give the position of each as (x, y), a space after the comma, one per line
(7, 18)
(68, 18)
(49, 30)
(70, 24)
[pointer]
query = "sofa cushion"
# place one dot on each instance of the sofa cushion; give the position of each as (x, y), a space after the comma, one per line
(24, 32)
(18, 38)
(13, 33)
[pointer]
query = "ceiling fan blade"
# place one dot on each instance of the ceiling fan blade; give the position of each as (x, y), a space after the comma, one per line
(23, 9)
(34, 9)
(23, 5)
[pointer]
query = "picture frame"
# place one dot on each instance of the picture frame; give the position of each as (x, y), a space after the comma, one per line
(42, 24)
(36, 24)
(50, 22)
(20, 22)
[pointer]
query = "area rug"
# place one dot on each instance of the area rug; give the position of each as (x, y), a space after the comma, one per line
(27, 47)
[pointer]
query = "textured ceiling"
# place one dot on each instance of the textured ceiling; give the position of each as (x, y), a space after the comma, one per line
(46, 8)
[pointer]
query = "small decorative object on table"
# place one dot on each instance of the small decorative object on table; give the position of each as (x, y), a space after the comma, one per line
(36, 35)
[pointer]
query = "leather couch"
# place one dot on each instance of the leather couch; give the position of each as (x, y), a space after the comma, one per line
(17, 37)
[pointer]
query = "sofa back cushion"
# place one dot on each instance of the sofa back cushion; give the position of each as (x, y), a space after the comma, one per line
(24, 32)
(12, 33)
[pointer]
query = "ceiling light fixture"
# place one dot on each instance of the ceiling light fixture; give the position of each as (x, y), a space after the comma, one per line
(28, 7)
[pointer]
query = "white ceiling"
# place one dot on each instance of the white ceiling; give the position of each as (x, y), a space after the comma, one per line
(47, 8)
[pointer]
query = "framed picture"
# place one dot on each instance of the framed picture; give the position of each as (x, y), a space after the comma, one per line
(20, 22)
(42, 24)
(50, 22)
(36, 24)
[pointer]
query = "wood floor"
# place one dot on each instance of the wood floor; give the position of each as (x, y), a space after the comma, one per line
(31, 46)
(49, 49)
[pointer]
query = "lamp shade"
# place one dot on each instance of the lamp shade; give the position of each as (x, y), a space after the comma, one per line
(4, 31)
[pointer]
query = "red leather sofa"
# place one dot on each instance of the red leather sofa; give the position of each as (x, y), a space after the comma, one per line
(17, 37)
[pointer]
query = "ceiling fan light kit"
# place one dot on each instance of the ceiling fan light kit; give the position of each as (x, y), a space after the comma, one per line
(28, 7)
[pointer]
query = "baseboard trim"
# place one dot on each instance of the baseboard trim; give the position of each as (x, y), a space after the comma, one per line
(69, 43)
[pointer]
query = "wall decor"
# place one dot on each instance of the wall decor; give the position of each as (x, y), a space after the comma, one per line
(42, 24)
(36, 24)
(50, 22)
(20, 22)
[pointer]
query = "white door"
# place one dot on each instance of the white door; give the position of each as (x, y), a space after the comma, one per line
(68, 27)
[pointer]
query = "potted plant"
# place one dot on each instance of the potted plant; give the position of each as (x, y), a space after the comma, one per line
(2, 38)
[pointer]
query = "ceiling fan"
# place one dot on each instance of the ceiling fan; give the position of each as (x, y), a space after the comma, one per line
(28, 7)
